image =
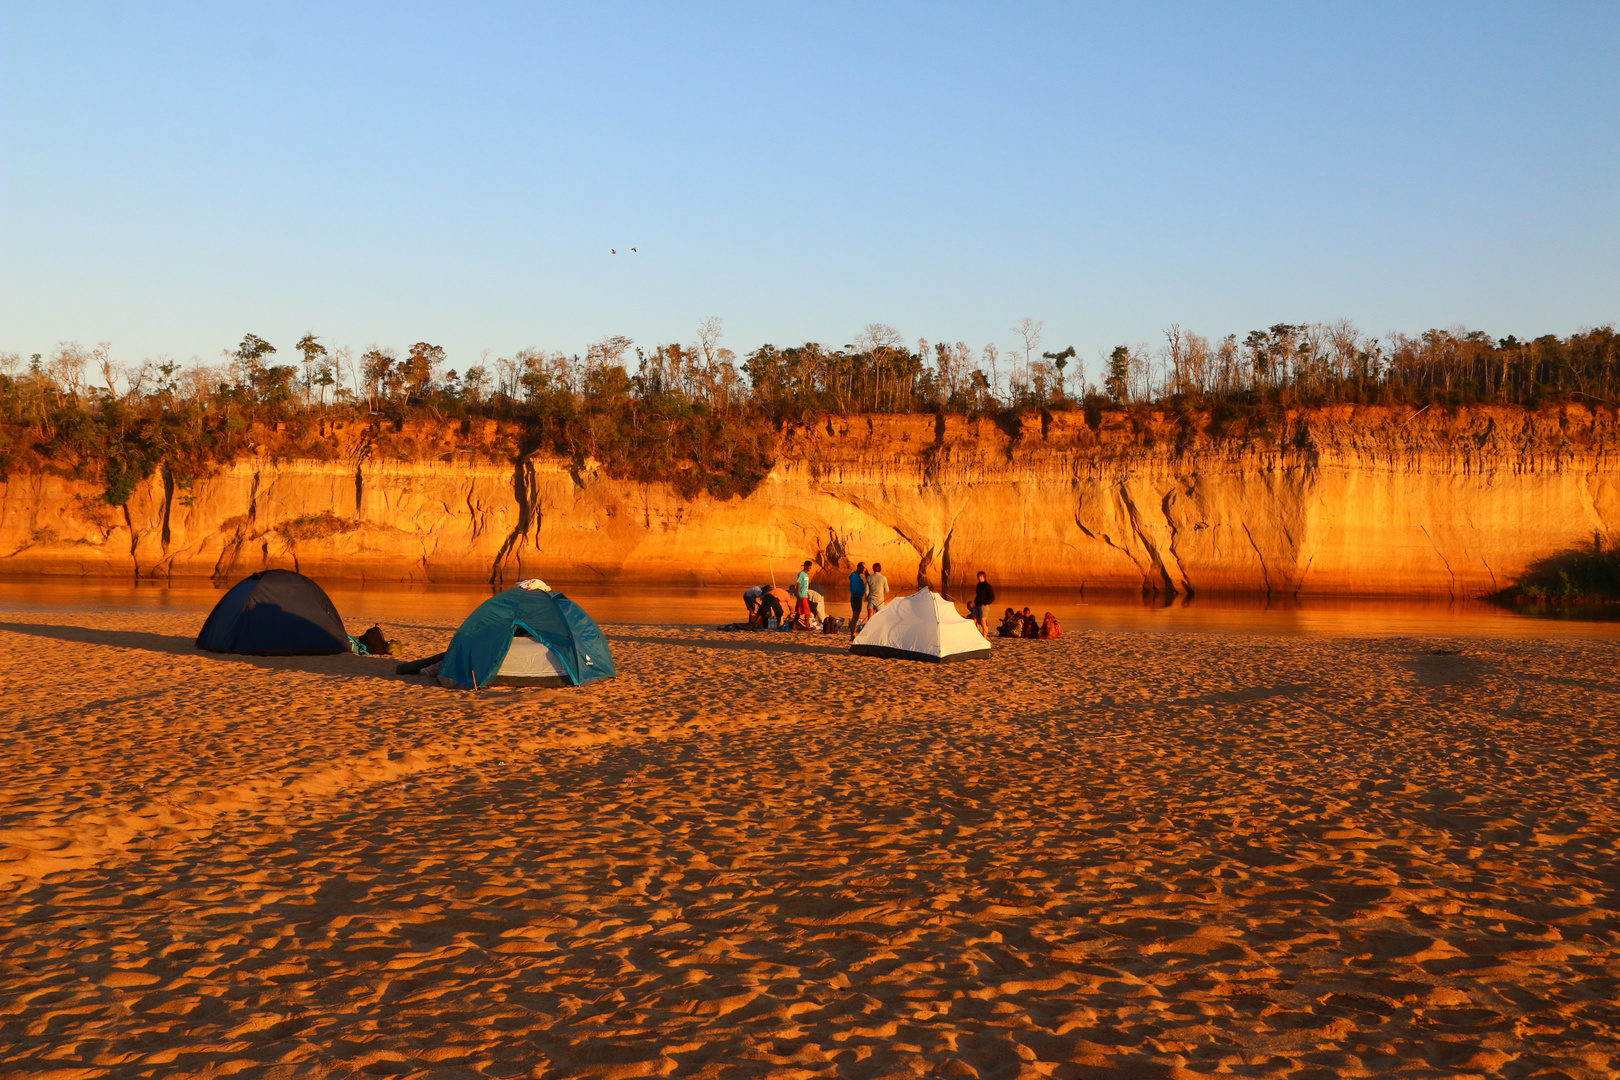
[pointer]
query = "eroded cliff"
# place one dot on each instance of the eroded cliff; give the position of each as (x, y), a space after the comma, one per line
(1346, 500)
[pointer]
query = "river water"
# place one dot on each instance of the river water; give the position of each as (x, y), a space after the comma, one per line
(699, 606)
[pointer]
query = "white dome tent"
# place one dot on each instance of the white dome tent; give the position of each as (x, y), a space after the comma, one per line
(923, 626)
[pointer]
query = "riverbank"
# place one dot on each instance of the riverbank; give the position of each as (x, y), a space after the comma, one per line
(1112, 853)
(1343, 500)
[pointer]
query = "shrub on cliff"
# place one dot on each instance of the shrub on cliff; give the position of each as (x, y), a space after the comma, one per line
(1577, 578)
(316, 526)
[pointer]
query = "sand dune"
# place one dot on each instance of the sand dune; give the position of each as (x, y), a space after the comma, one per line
(1115, 855)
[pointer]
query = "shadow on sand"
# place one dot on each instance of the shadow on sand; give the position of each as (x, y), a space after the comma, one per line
(336, 664)
(788, 646)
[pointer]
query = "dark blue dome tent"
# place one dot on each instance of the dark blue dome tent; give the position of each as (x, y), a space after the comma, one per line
(527, 636)
(274, 613)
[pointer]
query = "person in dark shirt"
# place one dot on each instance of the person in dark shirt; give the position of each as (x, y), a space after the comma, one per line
(769, 608)
(1031, 628)
(1011, 624)
(983, 597)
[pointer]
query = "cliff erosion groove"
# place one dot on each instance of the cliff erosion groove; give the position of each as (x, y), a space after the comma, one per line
(1338, 500)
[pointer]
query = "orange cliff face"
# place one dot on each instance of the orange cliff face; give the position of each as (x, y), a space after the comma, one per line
(1340, 500)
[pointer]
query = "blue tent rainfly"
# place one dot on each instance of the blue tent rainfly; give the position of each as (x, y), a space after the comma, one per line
(274, 613)
(479, 648)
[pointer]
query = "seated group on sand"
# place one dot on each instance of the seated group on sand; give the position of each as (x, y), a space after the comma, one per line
(1022, 624)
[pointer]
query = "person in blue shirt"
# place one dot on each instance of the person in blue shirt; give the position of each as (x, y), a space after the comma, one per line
(857, 597)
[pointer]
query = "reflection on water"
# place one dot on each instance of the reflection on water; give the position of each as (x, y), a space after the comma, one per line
(401, 603)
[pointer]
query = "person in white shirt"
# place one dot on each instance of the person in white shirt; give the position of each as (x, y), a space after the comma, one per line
(877, 590)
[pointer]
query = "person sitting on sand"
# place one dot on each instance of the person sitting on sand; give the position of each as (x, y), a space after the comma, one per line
(1050, 628)
(1031, 629)
(1011, 624)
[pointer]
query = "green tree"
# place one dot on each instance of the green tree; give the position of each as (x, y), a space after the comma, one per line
(418, 368)
(1060, 360)
(1118, 382)
(252, 351)
(314, 362)
(377, 365)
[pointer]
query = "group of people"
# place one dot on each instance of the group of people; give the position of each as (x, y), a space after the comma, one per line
(770, 606)
(1022, 624)
(868, 592)
(802, 608)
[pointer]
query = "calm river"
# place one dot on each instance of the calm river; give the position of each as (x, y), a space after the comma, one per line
(360, 602)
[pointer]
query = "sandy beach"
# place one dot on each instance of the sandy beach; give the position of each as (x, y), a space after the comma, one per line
(1147, 855)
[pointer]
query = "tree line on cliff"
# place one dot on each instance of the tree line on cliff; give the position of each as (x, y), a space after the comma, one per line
(692, 415)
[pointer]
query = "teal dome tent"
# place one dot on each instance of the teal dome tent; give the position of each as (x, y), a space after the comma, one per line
(557, 643)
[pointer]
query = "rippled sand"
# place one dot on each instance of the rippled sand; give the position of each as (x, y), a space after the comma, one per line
(1115, 855)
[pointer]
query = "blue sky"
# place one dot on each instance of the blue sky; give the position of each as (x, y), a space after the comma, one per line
(175, 176)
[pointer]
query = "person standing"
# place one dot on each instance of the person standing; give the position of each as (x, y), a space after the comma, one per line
(877, 589)
(801, 589)
(983, 597)
(857, 598)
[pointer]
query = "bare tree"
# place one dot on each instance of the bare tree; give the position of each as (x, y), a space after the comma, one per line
(197, 382)
(344, 368)
(1030, 331)
(1198, 360)
(990, 357)
(883, 344)
(952, 363)
(1229, 375)
(136, 378)
(108, 368)
(507, 372)
(1175, 354)
(607, 352)
(709, 331)
(1143, 388)
(66, 368)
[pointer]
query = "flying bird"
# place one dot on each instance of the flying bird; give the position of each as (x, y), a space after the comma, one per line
(613, 251)
(632, 249)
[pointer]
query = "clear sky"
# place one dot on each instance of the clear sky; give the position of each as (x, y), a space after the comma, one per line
(177, 175)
